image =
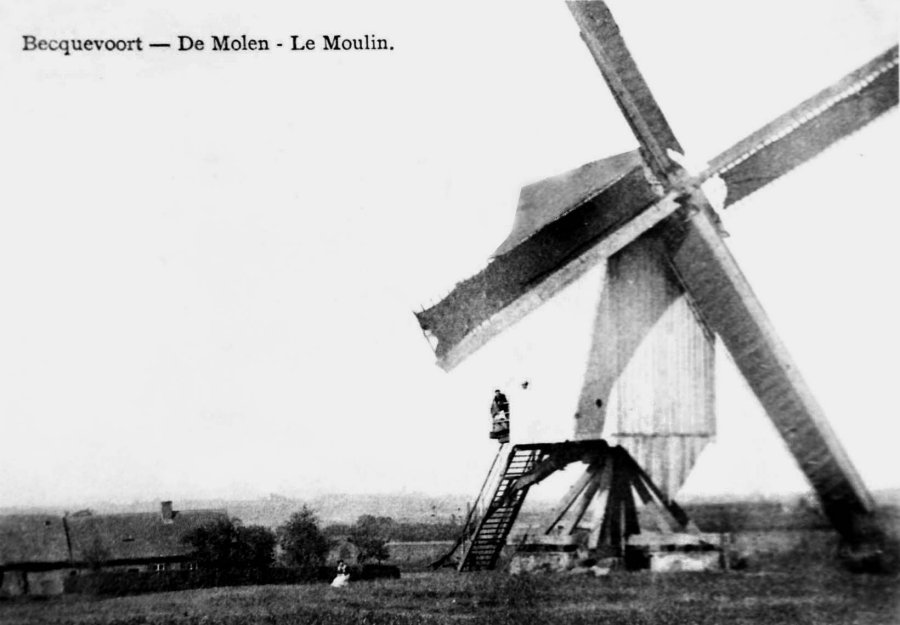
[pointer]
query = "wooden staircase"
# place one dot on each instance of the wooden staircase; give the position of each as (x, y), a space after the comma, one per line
(492, 529)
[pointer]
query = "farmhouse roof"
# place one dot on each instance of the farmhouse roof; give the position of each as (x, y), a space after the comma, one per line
(32, 538)
(136, 536)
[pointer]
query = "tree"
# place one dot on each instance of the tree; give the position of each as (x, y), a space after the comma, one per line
(227, 544)
(303, 544)
(370, 535)
(255, 547)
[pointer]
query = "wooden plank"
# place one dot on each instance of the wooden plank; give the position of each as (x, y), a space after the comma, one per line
(725, 299)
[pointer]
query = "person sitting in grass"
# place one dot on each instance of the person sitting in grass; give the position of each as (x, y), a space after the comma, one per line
(342, 577)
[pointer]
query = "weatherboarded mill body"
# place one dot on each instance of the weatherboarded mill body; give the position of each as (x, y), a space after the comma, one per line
(651, 366)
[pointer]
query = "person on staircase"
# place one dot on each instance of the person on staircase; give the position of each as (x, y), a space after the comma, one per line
(500, 417)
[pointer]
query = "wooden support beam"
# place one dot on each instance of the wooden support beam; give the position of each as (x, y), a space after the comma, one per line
(644, 482)
(542, 470)
(632, 526)
(566, 502)
(559, 456)
(589, 494)
(613, 516)
(664, 519)
(605, 480)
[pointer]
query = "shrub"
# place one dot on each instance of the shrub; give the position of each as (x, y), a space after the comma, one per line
(117, 583)
(370, 535)
(226, 544)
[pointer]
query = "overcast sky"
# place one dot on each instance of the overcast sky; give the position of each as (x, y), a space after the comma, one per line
(209, 261)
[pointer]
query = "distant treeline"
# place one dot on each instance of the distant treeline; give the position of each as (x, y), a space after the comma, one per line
(397, 531)
(800, 514)
(756, 516)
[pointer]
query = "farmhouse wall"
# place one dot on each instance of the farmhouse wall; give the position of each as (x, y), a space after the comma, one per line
(16, 583)
(45, 583)
(12, 584)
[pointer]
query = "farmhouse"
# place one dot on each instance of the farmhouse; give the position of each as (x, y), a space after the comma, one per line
(37, 552)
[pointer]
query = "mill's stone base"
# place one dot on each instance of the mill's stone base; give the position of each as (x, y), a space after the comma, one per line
(674, 552)
(657, 552)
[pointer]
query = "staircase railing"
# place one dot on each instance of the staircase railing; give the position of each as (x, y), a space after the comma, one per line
(478, 508)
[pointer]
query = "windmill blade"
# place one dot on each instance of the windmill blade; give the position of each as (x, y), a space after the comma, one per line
(808, 128)
(514, 284)
(600, 33)
(728, 304)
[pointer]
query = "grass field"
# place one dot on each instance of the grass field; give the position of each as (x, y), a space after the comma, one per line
(819, 596)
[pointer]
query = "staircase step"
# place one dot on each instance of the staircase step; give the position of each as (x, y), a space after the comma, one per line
(497, 522)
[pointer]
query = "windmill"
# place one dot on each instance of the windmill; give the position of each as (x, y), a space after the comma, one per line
(671, 289)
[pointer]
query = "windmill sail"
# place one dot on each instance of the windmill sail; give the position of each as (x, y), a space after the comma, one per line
(602, 37)
(808, 128)
(728, 303)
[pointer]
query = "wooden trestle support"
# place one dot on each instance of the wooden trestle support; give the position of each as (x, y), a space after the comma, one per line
(609, 484)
